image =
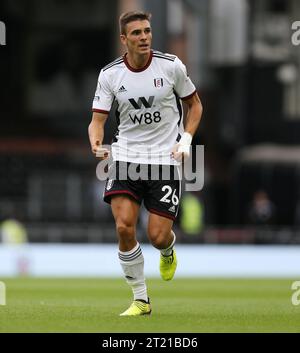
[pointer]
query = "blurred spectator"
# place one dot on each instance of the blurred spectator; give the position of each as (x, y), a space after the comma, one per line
(262, 211)
(13, 232)
(191, 217)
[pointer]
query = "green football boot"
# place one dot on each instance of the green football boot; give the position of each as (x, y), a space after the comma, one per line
(168, 266)
(138, 307)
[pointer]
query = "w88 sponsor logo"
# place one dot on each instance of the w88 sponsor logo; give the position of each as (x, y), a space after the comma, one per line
(146, 118)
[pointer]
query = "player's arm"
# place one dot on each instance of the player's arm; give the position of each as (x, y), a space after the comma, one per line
(96, 134)
(194, 114)
(192, 122)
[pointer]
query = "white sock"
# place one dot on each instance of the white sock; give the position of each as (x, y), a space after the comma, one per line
(169, 249)
(132, 263)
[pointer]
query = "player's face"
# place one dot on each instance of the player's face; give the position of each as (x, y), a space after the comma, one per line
(138, 37)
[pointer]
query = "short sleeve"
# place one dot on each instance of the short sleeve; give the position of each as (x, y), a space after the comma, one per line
(103, 96)
(184, 87)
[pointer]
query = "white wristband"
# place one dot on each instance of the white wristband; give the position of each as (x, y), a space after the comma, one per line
(186, 139)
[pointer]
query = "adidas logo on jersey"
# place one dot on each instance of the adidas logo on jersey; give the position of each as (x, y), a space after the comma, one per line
(172, 209)
(109, 184)
(122, 89)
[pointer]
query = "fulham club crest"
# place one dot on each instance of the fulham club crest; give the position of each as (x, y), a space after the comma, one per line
(158, 82)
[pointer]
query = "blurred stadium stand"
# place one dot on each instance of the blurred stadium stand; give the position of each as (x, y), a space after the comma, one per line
(240, 55)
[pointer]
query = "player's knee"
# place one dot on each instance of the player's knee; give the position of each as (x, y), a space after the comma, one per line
(158, 238)
(125, 231)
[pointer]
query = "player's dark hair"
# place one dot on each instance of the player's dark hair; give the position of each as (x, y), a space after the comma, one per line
(131, 16)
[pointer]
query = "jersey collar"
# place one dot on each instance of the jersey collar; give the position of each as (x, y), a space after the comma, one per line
(142, 68)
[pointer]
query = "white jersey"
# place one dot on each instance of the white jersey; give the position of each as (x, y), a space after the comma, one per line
(149, 109)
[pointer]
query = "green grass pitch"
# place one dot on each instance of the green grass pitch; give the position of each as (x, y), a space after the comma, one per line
(182, 305)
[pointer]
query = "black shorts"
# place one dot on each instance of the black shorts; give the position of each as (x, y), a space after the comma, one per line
(159, 186)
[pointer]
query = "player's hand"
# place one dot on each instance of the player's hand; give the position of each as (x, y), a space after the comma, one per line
(99, 151)
(181, 150)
